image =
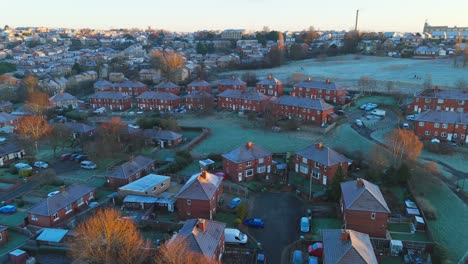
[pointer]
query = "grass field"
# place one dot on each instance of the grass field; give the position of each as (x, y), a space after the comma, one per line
(15, 240)
(4, 185)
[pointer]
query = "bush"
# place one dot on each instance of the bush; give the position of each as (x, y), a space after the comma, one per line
(215, 157)
(241, 211)
(439, 148)
(238, 222)
(13, 170)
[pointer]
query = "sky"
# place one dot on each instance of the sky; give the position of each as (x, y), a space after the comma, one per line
(191, 15)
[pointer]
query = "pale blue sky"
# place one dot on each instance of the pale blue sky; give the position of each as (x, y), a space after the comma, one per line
(192, 15)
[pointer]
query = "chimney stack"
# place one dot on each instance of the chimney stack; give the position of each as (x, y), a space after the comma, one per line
(233, 77)
(309, 79)
(436, 88)
(319, 145)
(201, 224)
(132, 158)
(249, 145)
(62, 188)
(359, 183)
(270, 76)
(327, 81)
(203, 174)
(344, 235)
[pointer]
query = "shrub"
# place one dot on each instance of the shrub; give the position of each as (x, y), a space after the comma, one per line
(215, 157)
(439, 148)
(241, 211)
(429, 211)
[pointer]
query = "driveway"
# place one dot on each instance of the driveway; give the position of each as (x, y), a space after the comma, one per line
(281, 213)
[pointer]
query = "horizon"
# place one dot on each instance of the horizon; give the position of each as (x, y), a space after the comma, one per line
(251, 15)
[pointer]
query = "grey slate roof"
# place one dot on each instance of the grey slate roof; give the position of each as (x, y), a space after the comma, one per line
(199, 241)
(144, 183)
(198, 188)
(129, 84)
(161, 134)
(232, 81)
(80, 127)
(244, 95)
(62, 97)
(323, 155)
(131, 167)
(316, 104)
(110, 95)
(199, 95)
(269, 80)
(53, 204)
(323, 85)
(442, 117)
(6, 117)
(167, 85)
(356, 249)
(3, 228)
(158, 96)
(443, 94)
(9, 147)
(199, 83)
(244, 153)
(6, 104)
(102, 84)
(367, 197)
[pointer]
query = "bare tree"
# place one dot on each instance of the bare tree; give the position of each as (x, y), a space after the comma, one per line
(37, 102)
(169, 62)
(107, 237)
(59, 136)
(367, 85)
(403, 145)
(32, 128)
(177, 251)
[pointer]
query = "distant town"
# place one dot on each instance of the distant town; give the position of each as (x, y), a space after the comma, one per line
(231, 146)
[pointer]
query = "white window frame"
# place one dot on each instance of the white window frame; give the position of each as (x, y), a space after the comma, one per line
(55, 217)
(34, 218)
(316, 164)
(80, 201)
(421, 124)
(249, 171)
(189, 202)
(248, 163)
(68, 209)
(373, 215)
(260, 160)
(315, 174)
(304, 169)
(261, 169)
(445, 126)
(91, 195)
(436, 125)
(427, 133)
(440, 101)
(443, 134)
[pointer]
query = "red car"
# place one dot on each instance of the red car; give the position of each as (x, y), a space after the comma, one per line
(65, 156)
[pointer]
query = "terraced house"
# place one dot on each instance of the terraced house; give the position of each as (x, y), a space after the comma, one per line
(442, 125)
(238, 100)
(247, 162)
(130, 171)
(270, 86)
(113, 101)
(232, 83)
(320, 163)
(440, 100)
(132, 88)
(60, 207)
(199, 101)
(63, 99)
(199, 85)
(312, 111)
(161, 101)
(326, 90)
(167, 87)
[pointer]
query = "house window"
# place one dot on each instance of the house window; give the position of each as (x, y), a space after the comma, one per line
(189, 202)
(436, 125)
(261, 169)
(461, 102)
(426, 107)
(260, 160)
(438, 108)
(421, 123)
(440, 101)
(304, 169)
(55, 216)
(34, 218)
(316, 174)
(372, 216)
(1, 238)
(249, 173)
(68, 209)
(427, 133)
(249, 163)
(462, 136)
(80, 201)
(316, 165)
(455, 136)
(443, 134)
(427, 100)
(189, 213)
(445, 126)
(460, 110)
(91, 195)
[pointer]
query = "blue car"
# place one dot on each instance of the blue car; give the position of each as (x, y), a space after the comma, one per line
(234, 203)
(7, 209)
(254, 222)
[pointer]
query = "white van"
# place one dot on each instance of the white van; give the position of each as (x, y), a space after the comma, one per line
(305, 224)
(86, 164)
(234, 236)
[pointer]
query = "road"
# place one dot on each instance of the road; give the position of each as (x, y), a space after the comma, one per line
(281, 213)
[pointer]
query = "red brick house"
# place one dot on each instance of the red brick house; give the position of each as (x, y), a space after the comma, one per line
(312, 111)
(163, 138)
(327, 90)
(3, 235)
(199, 101)
(347, 246)
(442, 125)
(441, 100)
(412, 40)
(202, 236)
(62, 100)
(11, 151)
(247, 162)
(232, 83)
(167, 87)
(81, 130)
(60, 207)
(200, 196)
(160, 101)
(319, 163)
(200, 86)
(364, 208)
(130, 171)
(8, 120)
(270, 86)
(237, 100)
(132, 88)
(114, 101)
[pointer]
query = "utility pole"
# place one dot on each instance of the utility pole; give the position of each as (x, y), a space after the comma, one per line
(357, 17)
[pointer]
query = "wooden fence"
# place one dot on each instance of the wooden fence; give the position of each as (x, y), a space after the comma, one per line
(235, 189)
(399, 220)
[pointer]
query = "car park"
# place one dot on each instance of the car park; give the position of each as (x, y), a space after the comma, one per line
(81, 157)
(254, 222)
(89, 165)
(41, 164)
(234, 203)
(8, 209)
(373, 117)
(65, 156)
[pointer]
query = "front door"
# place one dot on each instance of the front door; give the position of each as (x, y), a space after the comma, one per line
(324, 180)
(239, 176)
(297, 168)
(449, 136)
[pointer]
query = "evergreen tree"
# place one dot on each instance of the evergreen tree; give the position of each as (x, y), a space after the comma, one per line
(335, 187)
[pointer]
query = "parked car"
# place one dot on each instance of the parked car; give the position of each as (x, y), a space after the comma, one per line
(373, 117)
(297, 257)
(53, 193)
(261, 258)
(362, 107)
(8, 209)
(234, 236)
(254, 222)
(305, 224)
(65, 156)
(234, 203)
(41, 164)
(410, 117)
(359, 122)
(23, 166)
(405, 125)
(89, 165)
(81, 157)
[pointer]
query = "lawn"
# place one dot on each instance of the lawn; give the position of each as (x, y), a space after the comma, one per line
(4, 185)
(191, 169)
(399, 228)
(418, 236)
(325, 223)
(15, 240)
(392, 260)
(14, 219)
(228, 218)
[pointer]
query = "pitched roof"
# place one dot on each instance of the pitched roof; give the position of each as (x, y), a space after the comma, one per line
(158, 96)
(6, 117)
(443, 117)
(323, 155)
(9, 147)
(62, 97)
(232, 81)
(53, 204)
(269, 80)
(102, 84)
(199, 187)
(246, 153)
(145, 183)
(355, 250)
(3, 228)
(110, 95)
(80, 127)
(443, 94)
(303, 102)
(198, 240)
(367, 197)
(131, 167)
(166, 85)
(244, 95)
(308, 83)
(198, 94)
(161, 134)
(199, 83)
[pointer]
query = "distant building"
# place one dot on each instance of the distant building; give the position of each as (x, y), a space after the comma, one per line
(199, 101)
(63, 100)
(232, 83)
(149, 185)
(233, 33)
(114, 101)
(326, 90)
(442, 125)
(130, 171)
(158, 101)
(442, 32)
(312, 111)
(270, 86)
(199, 85)
(238, 100)
(168, 87)
(440, 100)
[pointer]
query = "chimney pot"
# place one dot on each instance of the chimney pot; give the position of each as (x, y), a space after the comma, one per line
(344, 236)
(249, 145)
(62, 188)
(203, 174)
(309, 79)
(319, 145)
(202, 224)
(359, 182)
